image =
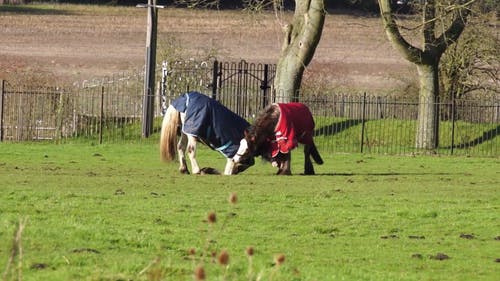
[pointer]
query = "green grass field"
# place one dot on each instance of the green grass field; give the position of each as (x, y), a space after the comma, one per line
(114, 212)
(341, 135)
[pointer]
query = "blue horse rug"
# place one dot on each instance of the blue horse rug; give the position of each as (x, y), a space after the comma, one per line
(211, 122)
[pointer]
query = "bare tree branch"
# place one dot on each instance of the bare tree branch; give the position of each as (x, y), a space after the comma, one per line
(410, 52)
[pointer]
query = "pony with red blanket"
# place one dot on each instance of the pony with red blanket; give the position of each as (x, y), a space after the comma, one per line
(277, 130)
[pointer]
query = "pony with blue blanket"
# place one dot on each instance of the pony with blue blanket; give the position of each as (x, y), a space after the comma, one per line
(199, 118)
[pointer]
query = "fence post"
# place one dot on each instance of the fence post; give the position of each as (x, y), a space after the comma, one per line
(453, 105)
(242, 67)
(496, 110)
(264, 86)
(163, 88)
(101, 115)
(342, 106)
(215, 74)
(437, 121)
(2, 92)
(59, 116)
(363, 122)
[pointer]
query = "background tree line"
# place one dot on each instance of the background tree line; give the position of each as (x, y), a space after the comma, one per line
(370, 6)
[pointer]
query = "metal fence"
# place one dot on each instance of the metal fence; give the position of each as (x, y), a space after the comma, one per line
(363, 123)
(110, 110)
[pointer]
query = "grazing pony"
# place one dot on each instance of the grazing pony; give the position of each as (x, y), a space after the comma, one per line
(197, 117)
(277, 130)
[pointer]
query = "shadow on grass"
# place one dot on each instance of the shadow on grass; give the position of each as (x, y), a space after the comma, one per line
(488, 135)
(336, 128)
(31, 10)
(389, 174)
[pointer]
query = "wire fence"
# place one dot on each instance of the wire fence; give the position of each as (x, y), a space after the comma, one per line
(109, 110)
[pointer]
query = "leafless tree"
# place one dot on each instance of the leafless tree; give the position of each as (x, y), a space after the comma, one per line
(442, 23)
(471, 67)
(300, 39)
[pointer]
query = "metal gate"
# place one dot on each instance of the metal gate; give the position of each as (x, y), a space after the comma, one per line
(29, 114)
(243, 87)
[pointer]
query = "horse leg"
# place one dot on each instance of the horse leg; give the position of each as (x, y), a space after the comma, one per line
(308, 166)
(284, 164)
(229, 167)
(191, 150)
(315, 154)
(181, 151)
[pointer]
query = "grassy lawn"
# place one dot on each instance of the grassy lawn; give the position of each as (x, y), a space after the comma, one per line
(114, 212)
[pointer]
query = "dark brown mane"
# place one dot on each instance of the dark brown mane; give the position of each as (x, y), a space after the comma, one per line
(263, 127)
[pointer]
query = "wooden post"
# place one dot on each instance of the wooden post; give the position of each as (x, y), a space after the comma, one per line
(150, 67)
(363, 112)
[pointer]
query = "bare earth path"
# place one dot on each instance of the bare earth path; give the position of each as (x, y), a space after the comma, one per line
(85, 42)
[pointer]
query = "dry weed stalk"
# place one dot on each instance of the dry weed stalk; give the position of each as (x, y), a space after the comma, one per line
(213, 255)
(211, 220)
(155, 261)
(16, 252)
(223, 260)
(278, 262)
(250, 251)
(192, 256)
(199, 273)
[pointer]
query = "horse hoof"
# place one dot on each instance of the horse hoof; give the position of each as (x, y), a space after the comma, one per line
(308, 171)
(184, 171)
(284, 173)
(240, 168)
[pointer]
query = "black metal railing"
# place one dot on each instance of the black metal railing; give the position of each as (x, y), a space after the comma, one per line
(110, 110)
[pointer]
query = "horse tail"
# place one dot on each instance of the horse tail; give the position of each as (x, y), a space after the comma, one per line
(315, 155)
(168, 135)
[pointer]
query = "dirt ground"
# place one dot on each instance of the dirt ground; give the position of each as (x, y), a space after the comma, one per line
(76, 44)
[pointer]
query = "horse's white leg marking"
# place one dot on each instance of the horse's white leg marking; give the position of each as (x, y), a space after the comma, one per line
(242, 150)
(191, 150)
(229, 167)
(181, 151)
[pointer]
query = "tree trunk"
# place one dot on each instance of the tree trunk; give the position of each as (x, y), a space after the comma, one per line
(427, 60)
(301, 38)
(428, 109)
